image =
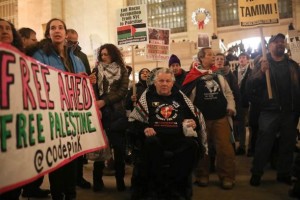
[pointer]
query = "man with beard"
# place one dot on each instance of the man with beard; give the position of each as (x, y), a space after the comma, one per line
(279, 114)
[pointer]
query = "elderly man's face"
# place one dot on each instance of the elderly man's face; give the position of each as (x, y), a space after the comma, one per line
(164, 83)
(277, 47)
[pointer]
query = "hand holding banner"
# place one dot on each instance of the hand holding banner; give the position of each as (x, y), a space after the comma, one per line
(48, 118)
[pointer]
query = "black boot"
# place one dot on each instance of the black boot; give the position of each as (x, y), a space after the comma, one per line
(97, 176)
(120, 184)
(119, 165)
(120, 173)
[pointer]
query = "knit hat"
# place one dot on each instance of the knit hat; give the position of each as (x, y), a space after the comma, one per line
(174, 59)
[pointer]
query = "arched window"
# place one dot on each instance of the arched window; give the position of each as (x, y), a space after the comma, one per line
(165, 13)
(9, 11)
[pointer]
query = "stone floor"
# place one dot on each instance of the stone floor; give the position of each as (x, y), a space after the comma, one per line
(269, 189)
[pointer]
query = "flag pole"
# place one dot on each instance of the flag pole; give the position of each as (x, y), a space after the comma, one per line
(264, 54)
(133, 71)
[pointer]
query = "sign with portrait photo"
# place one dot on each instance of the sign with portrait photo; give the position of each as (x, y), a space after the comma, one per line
(203, 40)
(158, 48)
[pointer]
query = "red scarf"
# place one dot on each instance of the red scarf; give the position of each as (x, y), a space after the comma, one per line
(195, 73)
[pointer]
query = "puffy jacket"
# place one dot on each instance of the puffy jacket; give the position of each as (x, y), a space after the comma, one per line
(55, 61)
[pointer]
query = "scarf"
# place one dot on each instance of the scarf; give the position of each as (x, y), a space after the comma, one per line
(241, 73)
(107, 72)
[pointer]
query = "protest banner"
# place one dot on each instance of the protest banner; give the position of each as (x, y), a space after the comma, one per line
(132, 30)
(259, 13)
(47, 118)
(294, 44)
(158, 48)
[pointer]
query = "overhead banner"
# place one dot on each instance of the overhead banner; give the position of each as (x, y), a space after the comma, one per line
(132, 25)
(158, 48)
(257, 12)
(47, 118)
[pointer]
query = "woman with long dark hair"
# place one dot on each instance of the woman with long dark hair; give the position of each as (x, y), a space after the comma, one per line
(111, 88)
(54, 52)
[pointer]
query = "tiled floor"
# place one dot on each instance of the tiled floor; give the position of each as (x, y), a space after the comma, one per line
(269, 189)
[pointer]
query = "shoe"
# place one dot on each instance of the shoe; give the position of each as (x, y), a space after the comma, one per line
(227, 185)
(240, 151)
(38, 193)
(201, 182)
(295, 190)
(98, 186)
(255, 180)
(175, 195)
(84, 184)
(284, 179)
(121, 185)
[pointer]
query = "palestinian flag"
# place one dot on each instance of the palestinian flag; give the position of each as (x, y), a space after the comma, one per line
(133, 30)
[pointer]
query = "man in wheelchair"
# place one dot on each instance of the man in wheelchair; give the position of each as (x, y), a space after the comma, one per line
(172, 137)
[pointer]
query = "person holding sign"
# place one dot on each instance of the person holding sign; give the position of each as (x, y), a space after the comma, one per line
(9, 35)
(279, 114)
(54, 52)
(141, 86)
(111, 87)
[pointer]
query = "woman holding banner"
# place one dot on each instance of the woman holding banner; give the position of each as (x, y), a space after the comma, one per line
(54, 52)
(9, 35)
(111, 86)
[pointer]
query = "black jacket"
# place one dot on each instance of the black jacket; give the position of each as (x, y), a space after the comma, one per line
(257, 92)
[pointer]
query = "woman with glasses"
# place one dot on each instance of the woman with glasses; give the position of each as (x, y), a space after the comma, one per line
(54, 52)
(110, 89)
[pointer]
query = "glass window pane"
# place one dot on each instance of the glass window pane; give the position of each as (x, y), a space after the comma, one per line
(166, 14)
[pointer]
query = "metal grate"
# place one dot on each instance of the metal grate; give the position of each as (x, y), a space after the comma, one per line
(165, 13)
(9, 11)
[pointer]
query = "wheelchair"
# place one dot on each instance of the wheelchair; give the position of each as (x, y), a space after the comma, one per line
(141, 187)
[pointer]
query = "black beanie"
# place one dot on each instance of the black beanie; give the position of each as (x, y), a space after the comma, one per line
(174, 59)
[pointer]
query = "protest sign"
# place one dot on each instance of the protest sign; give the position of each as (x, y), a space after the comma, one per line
(203, 40)
(47, 118)
(294, 44)
(158, 48)
(132, 25)
(257, 12)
